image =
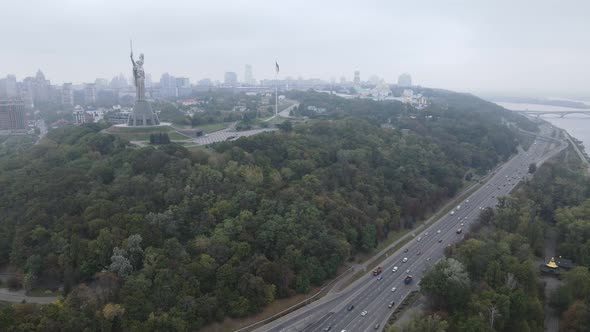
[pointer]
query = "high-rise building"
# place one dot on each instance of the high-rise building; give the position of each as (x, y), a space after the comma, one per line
(357, 78)
(183, 86)
(230, 79)
(248, 76)
(67, 95)
(12, 114)
(8, 87)
(89, 93)
(101, 83)
(119, 82)
(205, 82)
(183, 82)
(404, 80)
(40, 87)
(168, 86)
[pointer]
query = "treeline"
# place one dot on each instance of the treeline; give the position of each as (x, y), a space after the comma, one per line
(490, 282)
(170, 239)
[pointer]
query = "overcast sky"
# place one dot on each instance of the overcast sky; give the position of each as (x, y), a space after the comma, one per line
(526, 47)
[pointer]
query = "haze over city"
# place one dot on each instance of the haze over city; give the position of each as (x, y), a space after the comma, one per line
(533, 48)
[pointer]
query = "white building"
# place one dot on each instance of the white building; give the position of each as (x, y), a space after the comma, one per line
(80, 116)
(407, 96)
(381, 91)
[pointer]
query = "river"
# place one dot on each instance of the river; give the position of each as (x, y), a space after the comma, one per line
(576, 125)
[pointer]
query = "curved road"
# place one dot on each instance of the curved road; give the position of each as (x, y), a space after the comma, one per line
(372, 295)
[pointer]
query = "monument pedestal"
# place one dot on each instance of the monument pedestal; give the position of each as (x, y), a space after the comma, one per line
(142, 115)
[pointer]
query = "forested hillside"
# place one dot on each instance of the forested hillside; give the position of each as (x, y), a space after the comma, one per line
(172, 239)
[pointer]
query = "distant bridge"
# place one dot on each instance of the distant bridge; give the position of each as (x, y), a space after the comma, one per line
(560, 113)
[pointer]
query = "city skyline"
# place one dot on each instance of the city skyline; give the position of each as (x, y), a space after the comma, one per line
(459, 45)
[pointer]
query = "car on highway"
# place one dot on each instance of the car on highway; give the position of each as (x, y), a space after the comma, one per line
(419, 253)
(391, 304)
(426, 234)
(380, 277)
(462, 224)
(405, 259)
(393, 289)
(364, 313)
(419, 239)
(406, 250)
(408, 271)
(350, 307)
(328, 328)
(440, 241)
(459, 230)
(394, 269)
(377, 326)
(438, 232)
(408, 280)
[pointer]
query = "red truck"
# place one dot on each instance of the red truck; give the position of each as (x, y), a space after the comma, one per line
(377, 271)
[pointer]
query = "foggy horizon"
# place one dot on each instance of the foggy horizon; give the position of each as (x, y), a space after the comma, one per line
(532, 48)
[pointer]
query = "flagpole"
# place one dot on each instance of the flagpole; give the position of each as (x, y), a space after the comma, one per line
(276, 94)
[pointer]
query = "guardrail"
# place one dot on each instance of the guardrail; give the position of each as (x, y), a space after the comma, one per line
(294, 307)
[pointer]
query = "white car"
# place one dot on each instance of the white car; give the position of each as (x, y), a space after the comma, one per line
(405, 259)
(364, 313)
(408, 271)
(438, 232)
(393, 289)
(394, 269)
(462, 224)
(426, 234)
(419, 239)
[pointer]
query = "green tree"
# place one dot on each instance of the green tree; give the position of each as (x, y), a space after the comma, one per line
(428, 323)
(447, 284)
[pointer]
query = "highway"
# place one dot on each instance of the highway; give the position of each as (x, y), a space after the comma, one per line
(368, 293)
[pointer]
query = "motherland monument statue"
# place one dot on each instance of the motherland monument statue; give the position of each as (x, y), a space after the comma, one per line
(142, 114)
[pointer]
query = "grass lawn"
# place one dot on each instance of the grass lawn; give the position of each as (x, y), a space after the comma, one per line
(209, 128)
(143, 134)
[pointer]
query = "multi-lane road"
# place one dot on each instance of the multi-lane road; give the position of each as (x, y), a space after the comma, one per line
(373, 295)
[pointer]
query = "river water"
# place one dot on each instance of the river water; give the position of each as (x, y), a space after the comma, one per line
(576, 125)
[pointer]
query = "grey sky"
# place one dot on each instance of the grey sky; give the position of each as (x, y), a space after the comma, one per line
(484, 46)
